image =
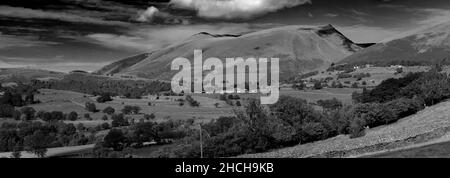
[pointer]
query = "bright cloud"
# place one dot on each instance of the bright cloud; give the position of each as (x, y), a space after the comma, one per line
(231, 9)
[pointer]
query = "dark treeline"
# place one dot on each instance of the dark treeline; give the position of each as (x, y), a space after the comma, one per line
(18, 96)
(97, 85)
(36, 137)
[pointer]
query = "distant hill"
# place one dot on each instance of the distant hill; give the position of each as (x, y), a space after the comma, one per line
(27, 74)
(300, 49)
(421, 47)
(122, 64)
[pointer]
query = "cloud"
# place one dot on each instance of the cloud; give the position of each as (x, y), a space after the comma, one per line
(235, 9)
(20, 12)
(148, 15)
(158, 36)
(9, 41)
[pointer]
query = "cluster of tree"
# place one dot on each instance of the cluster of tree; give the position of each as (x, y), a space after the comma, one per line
(342, 67)
(96, 85)
(18, 96)
(36, 137)
(29, 114)
(431, 87)
(119, 142)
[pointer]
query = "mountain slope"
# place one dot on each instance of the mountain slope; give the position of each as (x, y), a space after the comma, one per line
(121, 64)
(426, 46)
(299, 48)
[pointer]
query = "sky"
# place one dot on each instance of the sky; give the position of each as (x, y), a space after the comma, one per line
(65, 35)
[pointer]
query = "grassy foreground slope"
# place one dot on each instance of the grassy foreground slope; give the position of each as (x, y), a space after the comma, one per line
(427, 125)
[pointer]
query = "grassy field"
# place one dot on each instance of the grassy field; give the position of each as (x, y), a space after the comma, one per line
(343, 94)
(165, 108)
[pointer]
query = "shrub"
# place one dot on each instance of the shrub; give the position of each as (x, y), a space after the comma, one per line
(28, 113)
(6, 110)
(91, 107)
(73, 116)
(109, 110)
(104, 97)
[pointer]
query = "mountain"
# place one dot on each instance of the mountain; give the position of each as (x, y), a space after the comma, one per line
(122, 64)
(300, 49)
(419, 47)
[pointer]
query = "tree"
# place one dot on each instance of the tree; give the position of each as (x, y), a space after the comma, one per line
(104, 97)
(91, 107)
(6, 110)
(355, 85)
(37, 143)
(87, 116)
(105, 126)
(318, 85)
(119, 120)
(216, 105)
(238, 103)
(17, 115)
(109, 110)
(144, 132)
(28, 113)
(73, 116)
(115, 139)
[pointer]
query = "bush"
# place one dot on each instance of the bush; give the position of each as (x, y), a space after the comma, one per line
(119, 120)
(105, 126)
(6, 110)
(87, 116)
(73, 116)
(115, 140)
(105, 118)
(28, 113)
(104, 97)
(91, 107)
(109, 110)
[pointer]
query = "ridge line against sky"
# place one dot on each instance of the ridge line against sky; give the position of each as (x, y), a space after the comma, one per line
(90, 33)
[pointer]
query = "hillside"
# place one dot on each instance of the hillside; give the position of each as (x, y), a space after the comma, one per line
(118, 66)
(299, 48)
(27, 74)
(420, 47)
(427, 125)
